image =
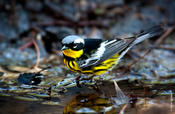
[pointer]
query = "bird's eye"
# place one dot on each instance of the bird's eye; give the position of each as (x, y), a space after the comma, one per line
(75, 46)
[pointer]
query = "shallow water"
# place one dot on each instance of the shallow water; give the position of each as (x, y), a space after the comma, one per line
(89, 99)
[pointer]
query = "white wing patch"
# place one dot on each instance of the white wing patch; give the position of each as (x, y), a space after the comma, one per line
(110, 42)
(96, 56)
(100, 51)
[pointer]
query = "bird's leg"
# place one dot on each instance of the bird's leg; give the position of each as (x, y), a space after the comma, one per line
(79, 78)
(95, 86)
(88, 78)
(91, 78)
(78, 81)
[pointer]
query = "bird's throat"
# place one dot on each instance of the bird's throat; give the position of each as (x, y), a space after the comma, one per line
(72, 54)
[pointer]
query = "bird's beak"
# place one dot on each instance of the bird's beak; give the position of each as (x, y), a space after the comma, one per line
(64, 48)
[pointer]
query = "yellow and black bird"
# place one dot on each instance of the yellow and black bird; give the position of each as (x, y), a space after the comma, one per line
(96, 56)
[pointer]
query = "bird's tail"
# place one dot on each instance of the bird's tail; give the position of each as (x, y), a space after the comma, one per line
(152, 32)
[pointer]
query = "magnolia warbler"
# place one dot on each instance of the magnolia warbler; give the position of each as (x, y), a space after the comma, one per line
(97, 56)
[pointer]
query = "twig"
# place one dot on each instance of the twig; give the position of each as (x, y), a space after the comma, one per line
(28, 44)
(171, 101)
(158, 42)
(38, 53)
(13, 16)
(165, 48)
(141, 57)
(72, 24)
(123, 109)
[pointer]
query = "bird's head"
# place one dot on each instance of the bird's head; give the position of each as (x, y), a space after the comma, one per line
(73, 46)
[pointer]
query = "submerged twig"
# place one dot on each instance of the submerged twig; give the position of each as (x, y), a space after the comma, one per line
(120, 96)
(123, 109)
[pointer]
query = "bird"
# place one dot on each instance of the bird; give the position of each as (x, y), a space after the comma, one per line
(98, 56)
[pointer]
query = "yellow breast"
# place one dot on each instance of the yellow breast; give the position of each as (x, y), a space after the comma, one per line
(95, 70)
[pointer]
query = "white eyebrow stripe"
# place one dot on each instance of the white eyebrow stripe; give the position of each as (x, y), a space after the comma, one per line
(79, 40)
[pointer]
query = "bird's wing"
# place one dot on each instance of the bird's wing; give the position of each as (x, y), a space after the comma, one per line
(106, 50)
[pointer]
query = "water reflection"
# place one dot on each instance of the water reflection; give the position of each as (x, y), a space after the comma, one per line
(88, 103)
